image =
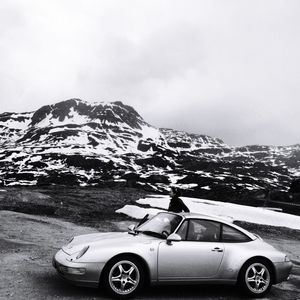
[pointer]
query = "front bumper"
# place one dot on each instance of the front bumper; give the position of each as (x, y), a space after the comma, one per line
(81, 274)
(282, 270)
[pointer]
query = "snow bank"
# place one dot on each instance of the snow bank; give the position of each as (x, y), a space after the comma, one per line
(137, 212)
(224, 210)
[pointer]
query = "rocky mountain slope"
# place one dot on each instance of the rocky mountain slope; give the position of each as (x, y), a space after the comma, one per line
(75, 142)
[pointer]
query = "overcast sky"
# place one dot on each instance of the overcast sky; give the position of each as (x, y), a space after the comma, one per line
(229, 69)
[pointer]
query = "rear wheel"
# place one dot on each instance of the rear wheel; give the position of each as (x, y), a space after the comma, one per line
(124, 277)
(256, 278)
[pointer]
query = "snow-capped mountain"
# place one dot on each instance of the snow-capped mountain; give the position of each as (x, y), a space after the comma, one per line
(99, 128)
(82, 143)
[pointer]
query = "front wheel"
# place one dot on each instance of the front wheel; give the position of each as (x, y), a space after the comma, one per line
(256, 278)
(124, 277)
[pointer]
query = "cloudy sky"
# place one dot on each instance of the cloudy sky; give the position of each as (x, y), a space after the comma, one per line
(229, 69)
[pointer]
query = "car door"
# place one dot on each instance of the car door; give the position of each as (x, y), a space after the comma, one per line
(197, 256)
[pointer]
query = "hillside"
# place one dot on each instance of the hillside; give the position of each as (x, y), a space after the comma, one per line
(74, 142)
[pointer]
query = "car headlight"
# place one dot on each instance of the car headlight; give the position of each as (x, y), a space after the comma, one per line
(82, 252)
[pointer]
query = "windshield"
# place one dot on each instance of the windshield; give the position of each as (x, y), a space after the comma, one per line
(161, 225)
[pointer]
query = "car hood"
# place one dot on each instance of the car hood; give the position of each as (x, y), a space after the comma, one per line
(105, 239)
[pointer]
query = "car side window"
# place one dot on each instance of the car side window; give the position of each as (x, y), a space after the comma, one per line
(203, 231)
(182, 231)
(230, 234)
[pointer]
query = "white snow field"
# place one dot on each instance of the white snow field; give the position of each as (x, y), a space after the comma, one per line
(228, 211)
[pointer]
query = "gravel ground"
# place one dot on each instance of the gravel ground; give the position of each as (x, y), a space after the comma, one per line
(28, 242)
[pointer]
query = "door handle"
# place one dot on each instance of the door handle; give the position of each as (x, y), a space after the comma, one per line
(217, 249)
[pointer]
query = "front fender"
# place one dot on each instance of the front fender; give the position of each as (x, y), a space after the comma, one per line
(146, 250)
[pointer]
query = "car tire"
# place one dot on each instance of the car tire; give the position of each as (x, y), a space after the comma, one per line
(123, 277)
(256, 278)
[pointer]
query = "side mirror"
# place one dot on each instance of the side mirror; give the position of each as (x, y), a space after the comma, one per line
(174, 237)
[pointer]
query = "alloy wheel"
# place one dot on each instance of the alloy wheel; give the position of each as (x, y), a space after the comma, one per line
(124, 277)
(257, 278)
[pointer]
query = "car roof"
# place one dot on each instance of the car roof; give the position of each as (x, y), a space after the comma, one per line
(217, 219)
(202, 216)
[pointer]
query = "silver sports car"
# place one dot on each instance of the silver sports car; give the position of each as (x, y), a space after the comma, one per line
(173, 248)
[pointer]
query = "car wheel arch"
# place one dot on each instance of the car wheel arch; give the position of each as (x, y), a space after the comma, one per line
(127, 255)
(258, 258)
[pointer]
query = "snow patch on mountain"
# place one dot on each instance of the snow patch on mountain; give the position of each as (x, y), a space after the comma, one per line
(88, 143)
(15, 120)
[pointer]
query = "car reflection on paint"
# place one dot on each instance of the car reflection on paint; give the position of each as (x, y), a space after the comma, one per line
(173, 248)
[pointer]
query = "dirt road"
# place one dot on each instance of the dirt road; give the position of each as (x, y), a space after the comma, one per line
(28, 242)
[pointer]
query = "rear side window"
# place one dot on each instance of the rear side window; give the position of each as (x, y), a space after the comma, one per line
(230, 234)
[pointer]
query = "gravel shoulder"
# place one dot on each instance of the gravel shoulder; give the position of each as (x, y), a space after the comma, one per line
(28, 242)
